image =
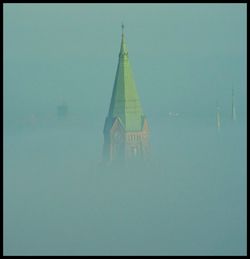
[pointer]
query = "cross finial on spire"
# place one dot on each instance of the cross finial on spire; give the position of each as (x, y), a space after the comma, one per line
(122, 27)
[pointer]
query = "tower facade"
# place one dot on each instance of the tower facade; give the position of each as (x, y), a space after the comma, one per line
(126, 129)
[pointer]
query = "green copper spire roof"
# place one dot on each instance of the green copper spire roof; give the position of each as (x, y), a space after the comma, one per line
(125, 102)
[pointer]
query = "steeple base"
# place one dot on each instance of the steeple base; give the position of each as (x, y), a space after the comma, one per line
(120, 145)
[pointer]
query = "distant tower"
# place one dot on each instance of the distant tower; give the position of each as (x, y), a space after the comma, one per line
(62, 110)
(233, 106)
(218, 119)
(126, 129)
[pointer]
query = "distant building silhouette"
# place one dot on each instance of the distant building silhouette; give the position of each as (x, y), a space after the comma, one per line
(218, 117)
(62, 110)
(233, 106)
(126, 129)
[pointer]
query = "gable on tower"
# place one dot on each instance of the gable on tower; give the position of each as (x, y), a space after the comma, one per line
(117, 126)
(145, 127)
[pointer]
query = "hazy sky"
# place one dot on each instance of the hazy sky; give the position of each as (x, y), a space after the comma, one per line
(183, 56)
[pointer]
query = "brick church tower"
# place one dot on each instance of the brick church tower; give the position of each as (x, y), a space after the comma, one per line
(126, 129)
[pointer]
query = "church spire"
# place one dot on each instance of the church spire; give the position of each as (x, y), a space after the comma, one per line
(125, 102)
(233, 106)
(126, 129)
(218, 118)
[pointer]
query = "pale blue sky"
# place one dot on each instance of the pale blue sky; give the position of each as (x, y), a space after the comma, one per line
(183, 56)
